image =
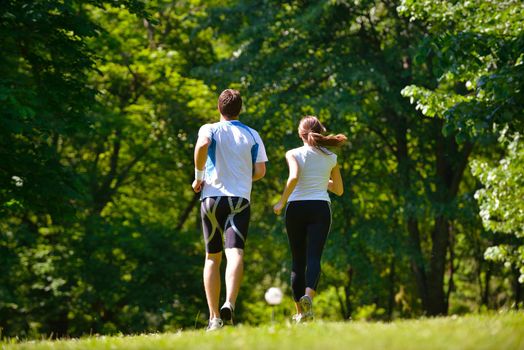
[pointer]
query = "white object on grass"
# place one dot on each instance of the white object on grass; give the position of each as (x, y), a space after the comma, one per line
(274, 296)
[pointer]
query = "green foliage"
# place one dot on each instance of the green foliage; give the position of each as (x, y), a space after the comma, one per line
(100, 106)
(501, 206)
(95, 201)
(479, 62)
(347, 62)
(480, 95)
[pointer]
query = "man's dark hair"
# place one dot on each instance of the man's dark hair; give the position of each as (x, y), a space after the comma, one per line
(230, 103)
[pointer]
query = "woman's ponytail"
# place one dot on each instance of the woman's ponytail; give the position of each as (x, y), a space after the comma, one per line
(310, 130)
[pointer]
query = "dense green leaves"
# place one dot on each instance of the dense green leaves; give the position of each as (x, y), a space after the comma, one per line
(480, 95)
(501, 207)
(96, 128)
(101, 102)
(479, 63)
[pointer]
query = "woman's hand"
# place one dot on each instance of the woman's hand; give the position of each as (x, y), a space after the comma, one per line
(290, 184)
(277, 208)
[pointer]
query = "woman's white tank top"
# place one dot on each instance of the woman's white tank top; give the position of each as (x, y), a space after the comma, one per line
(314, 172)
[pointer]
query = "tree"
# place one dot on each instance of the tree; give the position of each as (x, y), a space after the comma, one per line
(99, 120)
(501, 208)
(479, 96)
(348, 62)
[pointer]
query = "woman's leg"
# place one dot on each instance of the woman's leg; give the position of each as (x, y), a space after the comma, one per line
(296, 232)
(317, 234)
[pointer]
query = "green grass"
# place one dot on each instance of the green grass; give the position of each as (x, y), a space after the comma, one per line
(502, 331)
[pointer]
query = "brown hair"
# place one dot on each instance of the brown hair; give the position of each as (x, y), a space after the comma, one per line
(230, 103)
(311, 131)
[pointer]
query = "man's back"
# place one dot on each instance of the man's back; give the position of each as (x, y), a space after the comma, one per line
(234, 149)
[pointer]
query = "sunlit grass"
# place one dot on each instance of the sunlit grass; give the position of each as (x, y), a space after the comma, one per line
(501, 331)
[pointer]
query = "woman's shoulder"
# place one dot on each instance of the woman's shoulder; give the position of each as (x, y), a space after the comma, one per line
(332, 154)
(297, 153)
(328, 154)
(294, 151)
(333, 157)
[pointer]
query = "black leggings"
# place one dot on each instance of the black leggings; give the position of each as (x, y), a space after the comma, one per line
(307, 224)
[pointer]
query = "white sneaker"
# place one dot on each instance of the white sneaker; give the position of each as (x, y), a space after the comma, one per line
(307, 308)
(297, 318)
(227, 311)
(214, 324)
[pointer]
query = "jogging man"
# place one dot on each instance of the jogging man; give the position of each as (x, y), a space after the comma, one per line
(229, 156)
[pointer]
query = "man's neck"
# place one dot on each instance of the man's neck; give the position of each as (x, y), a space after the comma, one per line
(226, 119)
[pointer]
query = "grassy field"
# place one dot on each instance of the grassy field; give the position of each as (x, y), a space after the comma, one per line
(501, 331)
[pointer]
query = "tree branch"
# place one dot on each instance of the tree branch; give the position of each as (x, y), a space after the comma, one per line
(185, 215)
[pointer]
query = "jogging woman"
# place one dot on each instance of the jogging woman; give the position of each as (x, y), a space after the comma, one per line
(313, 170)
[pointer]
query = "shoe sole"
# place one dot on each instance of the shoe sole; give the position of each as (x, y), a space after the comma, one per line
(226, 314)
(307, 305)
(213, 329)
(215, 326)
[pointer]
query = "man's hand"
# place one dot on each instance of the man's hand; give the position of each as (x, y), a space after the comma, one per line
(197, 185)
(201, 147)
(259, 171)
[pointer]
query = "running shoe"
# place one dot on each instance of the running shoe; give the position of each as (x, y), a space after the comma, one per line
(307, 308)
(297, 318)
(227, 311)
(214, 324)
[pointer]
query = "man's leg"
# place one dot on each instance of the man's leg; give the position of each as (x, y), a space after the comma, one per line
(212, 221)
(212, 282)
(234, 273)
(236, 229)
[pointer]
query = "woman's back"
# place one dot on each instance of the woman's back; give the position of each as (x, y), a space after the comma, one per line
(314, 172)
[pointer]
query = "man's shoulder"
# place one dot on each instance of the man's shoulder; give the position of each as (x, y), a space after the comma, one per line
(251, 131)
(241, 124)
(255, 132)
(210, 125)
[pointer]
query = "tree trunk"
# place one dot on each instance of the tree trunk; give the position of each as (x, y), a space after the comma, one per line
(417, 262)
(452, 268)
(345, 300)
(518, 288)
(451, 161)
(436, 297)
(391, 299)
(487, 280)
(403, 173)
(347, 290)
(187, 211)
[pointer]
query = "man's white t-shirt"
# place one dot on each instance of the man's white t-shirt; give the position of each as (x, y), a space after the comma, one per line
(231, 155)
(314, 173)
